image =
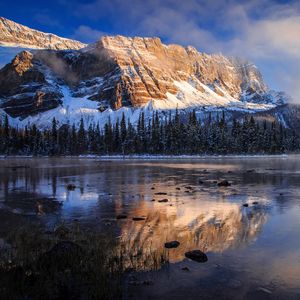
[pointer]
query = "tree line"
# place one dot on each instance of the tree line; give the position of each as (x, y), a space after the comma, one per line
(171, 136)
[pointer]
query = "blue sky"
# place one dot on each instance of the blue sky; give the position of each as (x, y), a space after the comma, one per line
(263, 31)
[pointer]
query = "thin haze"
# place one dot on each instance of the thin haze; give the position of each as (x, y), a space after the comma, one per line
(263, 31)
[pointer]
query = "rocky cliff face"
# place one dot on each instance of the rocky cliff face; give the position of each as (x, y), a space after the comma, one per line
(24, 85)
(150, 70)
(12, 33)
(118, 72)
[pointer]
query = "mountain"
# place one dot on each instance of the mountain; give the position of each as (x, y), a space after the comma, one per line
(15, 38)
(16, 35)
(119, 74)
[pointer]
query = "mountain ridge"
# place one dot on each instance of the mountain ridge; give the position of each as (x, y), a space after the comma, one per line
(117, 74)
(14, 34)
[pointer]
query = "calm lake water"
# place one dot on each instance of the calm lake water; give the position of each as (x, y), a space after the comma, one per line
(253, 252)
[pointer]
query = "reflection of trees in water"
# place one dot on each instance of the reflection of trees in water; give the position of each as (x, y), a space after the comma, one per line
(211, 227)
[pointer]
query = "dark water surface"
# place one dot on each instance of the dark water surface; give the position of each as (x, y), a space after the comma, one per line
(253, 252)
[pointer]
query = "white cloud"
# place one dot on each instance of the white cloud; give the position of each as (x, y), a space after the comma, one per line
(87, 34)
(264, 31)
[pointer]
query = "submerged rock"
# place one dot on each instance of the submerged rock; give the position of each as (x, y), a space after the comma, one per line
(71, 187)
(163, 200)
(121, 216)
(224, 183)
(138, 218)
(188, 187)
(172, 244)
(197, 255)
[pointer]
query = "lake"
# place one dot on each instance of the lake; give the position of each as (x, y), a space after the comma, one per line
(249, 230)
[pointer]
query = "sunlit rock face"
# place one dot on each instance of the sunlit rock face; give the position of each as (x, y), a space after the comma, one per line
(14, 34)
(119, 71)
(210, 228)
(149, 70)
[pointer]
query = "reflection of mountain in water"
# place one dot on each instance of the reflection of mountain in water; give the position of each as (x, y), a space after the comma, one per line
(212, 227)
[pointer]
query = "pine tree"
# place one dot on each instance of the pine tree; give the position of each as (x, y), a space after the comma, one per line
(6, 135)
(81, 138)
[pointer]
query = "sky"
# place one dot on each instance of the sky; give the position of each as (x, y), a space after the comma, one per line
(266, 32)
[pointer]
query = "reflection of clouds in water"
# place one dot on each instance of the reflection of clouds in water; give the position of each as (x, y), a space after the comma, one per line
(211, 227)
(76, 202)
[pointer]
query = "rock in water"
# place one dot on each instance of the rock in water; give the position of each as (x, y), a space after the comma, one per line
(172, 244)
(224, 183)
(121, 216)
(71, 187)
(163, 200)
(197, 255)
(138, 219)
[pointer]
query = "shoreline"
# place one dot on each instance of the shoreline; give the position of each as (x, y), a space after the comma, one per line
(154, 157)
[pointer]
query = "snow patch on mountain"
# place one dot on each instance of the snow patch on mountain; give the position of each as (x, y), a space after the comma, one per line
(73, 109)
(190, 97)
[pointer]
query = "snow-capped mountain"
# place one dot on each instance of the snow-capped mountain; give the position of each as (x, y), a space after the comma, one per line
(13, 34)
(120, 74)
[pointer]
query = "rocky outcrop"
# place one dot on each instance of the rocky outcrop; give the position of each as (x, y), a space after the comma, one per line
(18, 73)
(24, 89)
(12, 33)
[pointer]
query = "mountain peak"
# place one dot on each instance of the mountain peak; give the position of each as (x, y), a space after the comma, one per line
(14, 34)
(120, 73)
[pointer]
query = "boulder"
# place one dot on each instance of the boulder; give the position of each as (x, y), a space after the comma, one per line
(71, 187)
(121, 216)
(163, 200)
(224, 183)
(197, 255)
(172, 244)
(138, 219)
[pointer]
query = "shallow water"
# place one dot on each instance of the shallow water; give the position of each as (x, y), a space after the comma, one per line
(253, 252)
